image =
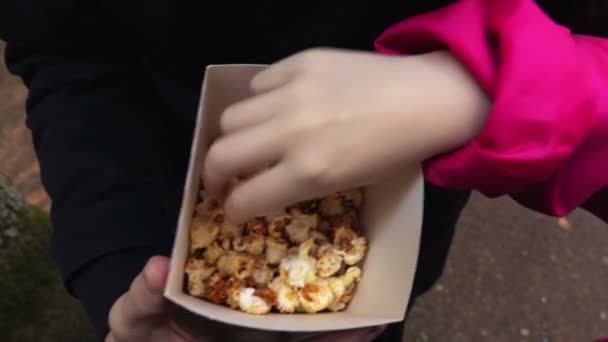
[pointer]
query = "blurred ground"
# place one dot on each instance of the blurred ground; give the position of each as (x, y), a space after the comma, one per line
(34, 306)
(512, 275)
(17, 159)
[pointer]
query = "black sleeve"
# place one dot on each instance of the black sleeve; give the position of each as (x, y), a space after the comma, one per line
(105, 156)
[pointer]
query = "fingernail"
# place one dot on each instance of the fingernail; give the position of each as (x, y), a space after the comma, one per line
(156, 272)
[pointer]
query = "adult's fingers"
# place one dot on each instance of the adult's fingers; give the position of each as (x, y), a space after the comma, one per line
(134, 313)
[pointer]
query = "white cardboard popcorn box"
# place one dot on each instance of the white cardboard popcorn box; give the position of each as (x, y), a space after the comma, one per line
(391, 221)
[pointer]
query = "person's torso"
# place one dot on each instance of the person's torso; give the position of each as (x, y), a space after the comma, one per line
(183, 36)
(173, 41)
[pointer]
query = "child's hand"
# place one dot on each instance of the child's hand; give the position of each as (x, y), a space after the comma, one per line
(143, 315)
(328, 120)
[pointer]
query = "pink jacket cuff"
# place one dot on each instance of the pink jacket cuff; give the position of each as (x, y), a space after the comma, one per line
(545, 142)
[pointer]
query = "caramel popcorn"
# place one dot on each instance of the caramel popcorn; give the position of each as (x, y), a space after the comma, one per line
(277, 223)
(250, 303)
(235, 264)
(204, 230)
(298, 230)
(197, 273)
(354, 198)
(299, 269)
(329, 262)
(302, 259)
(233, 292)
(342, 288)
(276, 250)
(262, 274)
(213, 253)
(287, 295)
(316, 296)
(332, 205)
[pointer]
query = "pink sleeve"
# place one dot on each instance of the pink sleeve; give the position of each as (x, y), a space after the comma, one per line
(546, 139)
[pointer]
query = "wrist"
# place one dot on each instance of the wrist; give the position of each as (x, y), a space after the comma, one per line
(453, 107)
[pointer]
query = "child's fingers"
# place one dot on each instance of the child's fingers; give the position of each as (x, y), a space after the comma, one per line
(146, 291)
(132, 314)
(239, 153)
(271, 189)
(280, 73)
(255, 110)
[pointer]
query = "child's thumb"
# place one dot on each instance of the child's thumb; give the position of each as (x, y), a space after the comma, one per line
(156, 272)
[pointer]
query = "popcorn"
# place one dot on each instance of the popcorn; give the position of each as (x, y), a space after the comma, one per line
(287, 296)
(277, 223)
(343, 238)
(230, 230)
(298, 230)
(276, 250)
(353, 198)
(299, 270)
(204, 230)
(352, 275)
(342, 288)
(250, 303)
(215, 289)
(234, 264)
(224, 241)
(268, 295)
(356, 253)
(262, 274)
(339, 290)
(349, 245)
(318, 237)
(316, 296)
(233, 292)
(208, 207)
(239, 244)
(298, 260)
(293, 250)
(332, 205)
(197, 273)
(337, 204)
(347, 220)
(305, 207)
(329, 262)
(253, 244)
(213, 253)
